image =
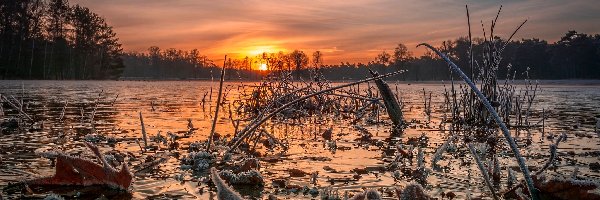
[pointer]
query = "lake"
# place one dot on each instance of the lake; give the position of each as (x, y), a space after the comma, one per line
(166, 106)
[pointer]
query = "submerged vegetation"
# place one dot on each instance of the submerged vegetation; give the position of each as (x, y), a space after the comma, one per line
(486, 124)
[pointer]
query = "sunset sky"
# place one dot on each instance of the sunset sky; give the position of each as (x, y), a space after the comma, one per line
(350, 30)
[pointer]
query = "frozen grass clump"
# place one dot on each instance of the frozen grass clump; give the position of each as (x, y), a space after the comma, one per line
(112, 160)
(53, 196)
(512, 179)
(397, 175)
(420, 158)
(366, 195)
(93, 138)
(330, 194)
(251, 177)
(313, 191)
(159, 138)
(197, 146)
(413, 191)
(197, 160)
(111, 140)
(227, 157)
(438, 153)
(47, 154)
(224, 191)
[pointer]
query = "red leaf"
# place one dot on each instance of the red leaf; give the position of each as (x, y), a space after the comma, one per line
(78, 171)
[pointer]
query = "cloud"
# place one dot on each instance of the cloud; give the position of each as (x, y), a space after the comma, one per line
(344, 30)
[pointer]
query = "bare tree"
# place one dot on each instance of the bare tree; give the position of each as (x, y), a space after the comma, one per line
(317, 59)
(401, 55)
(384, 58)
(300, 60)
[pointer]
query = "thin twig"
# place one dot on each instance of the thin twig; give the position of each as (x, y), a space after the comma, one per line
(143, 131)
(470, 41)
(214, 124)
(17, 108)
(511, 36)
(62, 114)
(484, 172)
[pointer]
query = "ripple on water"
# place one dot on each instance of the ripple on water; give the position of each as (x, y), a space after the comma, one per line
(166, 107)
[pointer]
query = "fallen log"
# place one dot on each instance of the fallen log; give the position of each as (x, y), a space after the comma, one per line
(389, 100)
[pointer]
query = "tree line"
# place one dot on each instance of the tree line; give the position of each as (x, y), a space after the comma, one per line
(168, 64)
(50, 39)
(179, 64)
(574, 56)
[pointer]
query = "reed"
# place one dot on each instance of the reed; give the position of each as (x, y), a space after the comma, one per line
(1, 106)
(438, 153)
(553, 148)
(144, 135)
(96, 102)
(484, 172)
(62, 113)
(214, 123)
(496, 117)
(18, 108)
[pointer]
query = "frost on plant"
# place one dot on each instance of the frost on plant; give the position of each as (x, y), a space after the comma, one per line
(198, 161)
(251, 177)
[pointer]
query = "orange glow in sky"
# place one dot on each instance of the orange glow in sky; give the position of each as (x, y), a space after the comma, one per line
(344, 31)
(257, 50)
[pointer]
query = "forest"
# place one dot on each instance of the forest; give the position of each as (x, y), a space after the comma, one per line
(574, 56)
(50, 39)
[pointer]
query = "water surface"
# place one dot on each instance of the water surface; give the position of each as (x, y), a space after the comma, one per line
(167, 105)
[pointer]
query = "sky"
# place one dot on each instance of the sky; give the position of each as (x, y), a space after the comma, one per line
(343, 30)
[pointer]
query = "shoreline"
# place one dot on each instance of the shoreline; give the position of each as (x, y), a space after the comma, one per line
(541, 82)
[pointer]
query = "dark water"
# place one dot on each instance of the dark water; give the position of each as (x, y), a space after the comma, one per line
(166, 107)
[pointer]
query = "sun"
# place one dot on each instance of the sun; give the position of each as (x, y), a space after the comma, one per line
(263, 67)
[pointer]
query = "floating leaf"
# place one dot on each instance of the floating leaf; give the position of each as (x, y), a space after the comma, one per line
(82, 172)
